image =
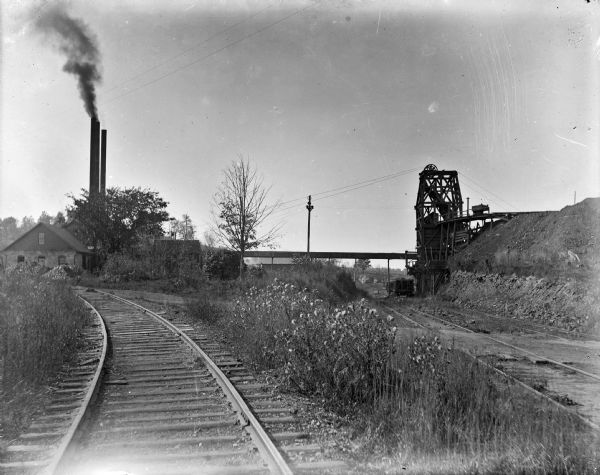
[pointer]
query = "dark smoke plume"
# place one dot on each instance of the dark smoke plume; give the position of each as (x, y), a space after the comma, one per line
(80, 47)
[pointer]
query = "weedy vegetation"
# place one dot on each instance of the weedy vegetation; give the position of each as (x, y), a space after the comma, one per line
(40, 327)
(407, 397)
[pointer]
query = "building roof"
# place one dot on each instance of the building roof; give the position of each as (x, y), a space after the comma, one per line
(63, 234)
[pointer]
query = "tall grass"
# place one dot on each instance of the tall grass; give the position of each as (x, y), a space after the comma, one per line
(439, 400)
(331, 283)
(40, 326)
(404, 392)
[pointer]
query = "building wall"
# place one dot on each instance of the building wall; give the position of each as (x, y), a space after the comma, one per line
(51, 257)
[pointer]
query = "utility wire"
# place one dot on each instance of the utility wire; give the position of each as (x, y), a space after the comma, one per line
(345, 189)
(369, 181)
(487, 191)
(184, 52)
(209, 55)
(367, 184)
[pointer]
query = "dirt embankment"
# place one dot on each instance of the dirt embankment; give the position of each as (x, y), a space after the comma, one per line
(541, 266)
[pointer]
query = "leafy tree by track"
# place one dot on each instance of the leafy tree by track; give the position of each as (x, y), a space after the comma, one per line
(117, 221)
(241, 204)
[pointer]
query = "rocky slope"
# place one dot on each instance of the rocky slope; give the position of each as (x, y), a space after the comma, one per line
(541, 266)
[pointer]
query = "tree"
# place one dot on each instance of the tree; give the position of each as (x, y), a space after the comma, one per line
(242, 207)
(8, 231)
(222, 264)
(45, 218)
(118, 220)
(59, 219)
(210, 240)
(27, 223)
(184, 229)
(362, 264)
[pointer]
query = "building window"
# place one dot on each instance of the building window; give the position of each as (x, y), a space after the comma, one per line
(42, 260)
(41, 239)
(62, 260)
(20, 258)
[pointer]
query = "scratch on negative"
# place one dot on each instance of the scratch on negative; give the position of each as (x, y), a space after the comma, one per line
(572, 141)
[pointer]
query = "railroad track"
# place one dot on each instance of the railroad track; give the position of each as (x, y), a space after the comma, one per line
(167, 406)
(529, 369)
(471, 320)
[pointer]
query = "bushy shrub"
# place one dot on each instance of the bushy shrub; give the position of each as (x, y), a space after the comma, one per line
(223, 264)
(341, 355)
(205, 309)
(25, 268)
(189, 274)
(403, 391)
(338, 354)
(122, 267)
(332, 283)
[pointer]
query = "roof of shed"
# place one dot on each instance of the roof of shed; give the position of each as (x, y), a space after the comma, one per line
(62, 234)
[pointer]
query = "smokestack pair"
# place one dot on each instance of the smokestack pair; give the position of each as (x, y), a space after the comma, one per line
(97, 158)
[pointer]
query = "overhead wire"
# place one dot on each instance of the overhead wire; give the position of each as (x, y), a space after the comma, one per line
(185, 51)
(487, 191)
(209, 55)
(344, 189)
(406, 172)
(388, 176)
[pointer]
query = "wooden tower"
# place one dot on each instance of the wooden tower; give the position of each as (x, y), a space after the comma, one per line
(440, 229)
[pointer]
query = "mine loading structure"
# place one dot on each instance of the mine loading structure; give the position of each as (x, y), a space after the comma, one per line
(443, 227)
(439, 233)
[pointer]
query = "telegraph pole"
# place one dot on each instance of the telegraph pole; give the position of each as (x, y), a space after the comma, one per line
(309, 207)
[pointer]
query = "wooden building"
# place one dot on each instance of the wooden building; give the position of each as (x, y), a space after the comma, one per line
(48, 246)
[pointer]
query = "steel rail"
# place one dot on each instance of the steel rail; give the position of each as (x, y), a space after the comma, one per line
(248, 421)
(514, 347)
(532, 326)
(84, 411)
(506, 375)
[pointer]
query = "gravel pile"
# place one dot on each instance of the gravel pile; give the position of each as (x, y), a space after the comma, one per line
(554, 243)
(62, 272)
(539, 266)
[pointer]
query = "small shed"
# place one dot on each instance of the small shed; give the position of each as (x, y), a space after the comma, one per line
(48, 246)
(480, 209)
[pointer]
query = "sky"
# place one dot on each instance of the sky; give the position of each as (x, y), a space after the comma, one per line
(344, 100)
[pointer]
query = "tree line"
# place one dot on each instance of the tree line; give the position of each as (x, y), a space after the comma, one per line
(123, 218)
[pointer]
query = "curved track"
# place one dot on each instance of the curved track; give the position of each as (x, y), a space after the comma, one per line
(163, 407)
(572, 388)
(275, 415)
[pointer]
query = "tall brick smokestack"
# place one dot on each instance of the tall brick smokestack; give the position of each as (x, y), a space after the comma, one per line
(103, 163)
(94, 157)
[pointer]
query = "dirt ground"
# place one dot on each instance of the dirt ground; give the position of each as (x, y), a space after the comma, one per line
(573, 389)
